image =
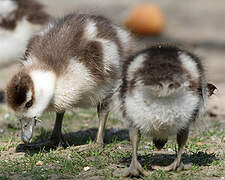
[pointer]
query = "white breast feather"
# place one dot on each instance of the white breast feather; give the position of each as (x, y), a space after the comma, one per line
(160, 117)
(72, 85)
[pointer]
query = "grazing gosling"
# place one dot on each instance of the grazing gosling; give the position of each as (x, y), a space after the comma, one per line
(19, 20)
(163, 91)
(75, 62)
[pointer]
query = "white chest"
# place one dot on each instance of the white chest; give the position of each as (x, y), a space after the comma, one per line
(75, 88)
(160, 117)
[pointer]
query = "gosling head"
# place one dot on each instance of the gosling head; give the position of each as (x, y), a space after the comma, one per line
(28, 99)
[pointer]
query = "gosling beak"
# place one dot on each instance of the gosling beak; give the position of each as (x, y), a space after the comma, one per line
(27, 126)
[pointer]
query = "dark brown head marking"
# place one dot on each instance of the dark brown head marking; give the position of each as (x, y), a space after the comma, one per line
(17, 89)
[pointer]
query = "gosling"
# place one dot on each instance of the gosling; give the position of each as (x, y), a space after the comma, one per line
(162, 92)
(75, 62)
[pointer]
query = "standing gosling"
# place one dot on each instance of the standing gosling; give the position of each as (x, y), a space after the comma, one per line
(75, 62)
(163, 91)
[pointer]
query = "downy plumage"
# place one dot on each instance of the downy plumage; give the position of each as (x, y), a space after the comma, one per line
(162, 91)
(75, 62)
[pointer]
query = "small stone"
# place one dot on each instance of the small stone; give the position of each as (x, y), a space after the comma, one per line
(170, 150)
(119, 147)
(39, 163)
(86, 168)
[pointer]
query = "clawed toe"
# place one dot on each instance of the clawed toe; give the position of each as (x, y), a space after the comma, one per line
(135, 172)
(135, 169)
(130, 172)
(184, 167)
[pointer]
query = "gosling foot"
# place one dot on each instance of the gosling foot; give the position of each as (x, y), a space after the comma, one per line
(135, 170)
(175, 166)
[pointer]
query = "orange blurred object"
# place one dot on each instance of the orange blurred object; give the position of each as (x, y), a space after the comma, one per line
(145, 19)
(199, 143)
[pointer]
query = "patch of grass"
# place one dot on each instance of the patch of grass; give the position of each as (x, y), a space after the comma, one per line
(207, 157)
(157, 175)
(213, 132)
(216, 124)
(7, 146)
(113, 121)
(54, 162)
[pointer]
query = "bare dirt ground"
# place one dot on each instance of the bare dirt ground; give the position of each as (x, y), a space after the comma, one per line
(199, 24)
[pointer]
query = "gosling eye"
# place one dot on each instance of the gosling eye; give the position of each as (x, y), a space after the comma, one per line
(29, 104)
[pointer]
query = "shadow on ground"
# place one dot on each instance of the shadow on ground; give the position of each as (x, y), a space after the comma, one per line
(73, 139)
(85, 136)
(199, 159)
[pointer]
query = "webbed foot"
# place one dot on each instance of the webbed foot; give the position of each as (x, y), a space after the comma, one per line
(135, 169)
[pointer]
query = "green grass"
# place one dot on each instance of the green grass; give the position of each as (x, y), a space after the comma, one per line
(207, 157)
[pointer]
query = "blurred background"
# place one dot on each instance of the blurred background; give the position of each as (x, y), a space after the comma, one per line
(198, 25)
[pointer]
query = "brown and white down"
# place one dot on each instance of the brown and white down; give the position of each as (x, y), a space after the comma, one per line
(75, 62)
(19, 21)
(163, 90)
